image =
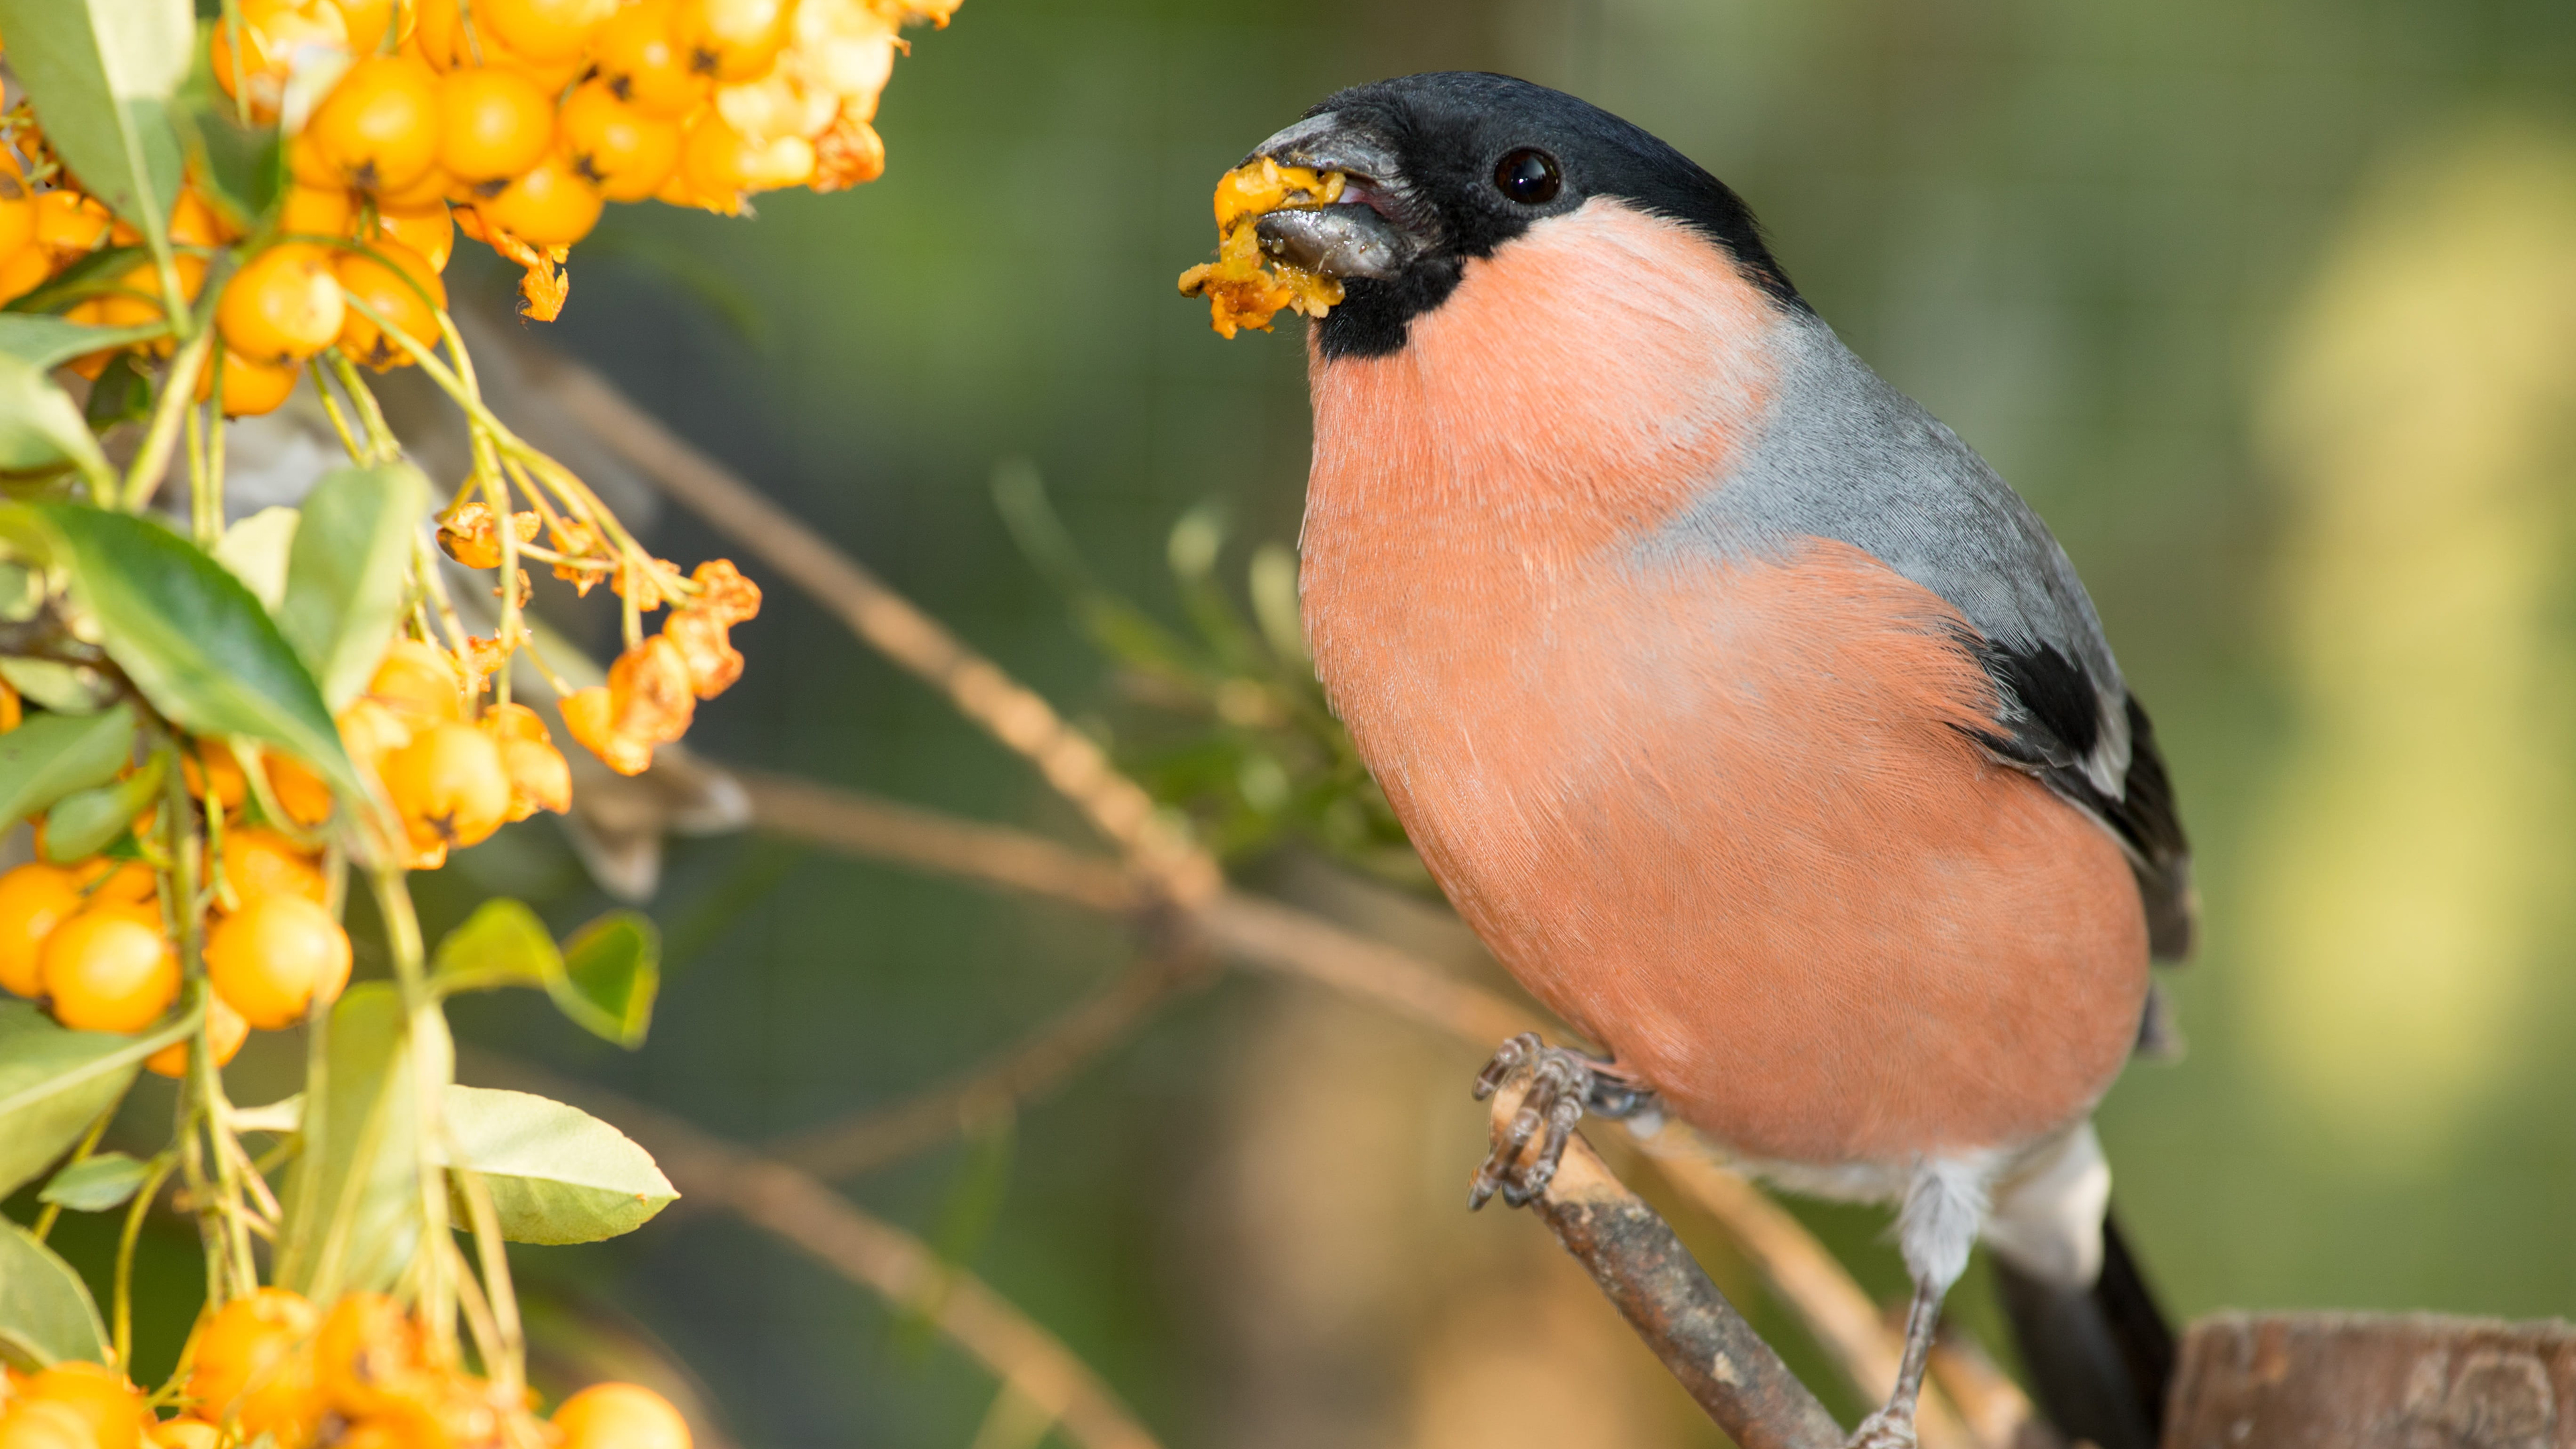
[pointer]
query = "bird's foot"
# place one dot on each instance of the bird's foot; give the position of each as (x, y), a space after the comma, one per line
(1886, 1429)
(1563, 1085)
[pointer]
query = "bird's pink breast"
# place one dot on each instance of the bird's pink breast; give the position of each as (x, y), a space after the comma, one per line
(1718, 813)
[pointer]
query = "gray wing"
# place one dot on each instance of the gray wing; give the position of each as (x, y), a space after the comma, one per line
(1846, 456)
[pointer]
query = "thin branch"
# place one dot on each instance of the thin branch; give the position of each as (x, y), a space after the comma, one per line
(869, 1252)
(1660, 1289)
(940, 844)
(1026, 1070)
(1009, 711)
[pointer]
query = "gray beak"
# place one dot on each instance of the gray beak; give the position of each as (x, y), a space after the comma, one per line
(1377, 227)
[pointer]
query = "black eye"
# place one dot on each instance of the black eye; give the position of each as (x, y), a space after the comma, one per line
(1528, 177)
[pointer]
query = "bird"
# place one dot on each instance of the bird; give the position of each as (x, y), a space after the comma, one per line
(1758, 727)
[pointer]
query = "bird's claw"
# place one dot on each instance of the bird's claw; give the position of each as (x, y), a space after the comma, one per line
(1563, 1084)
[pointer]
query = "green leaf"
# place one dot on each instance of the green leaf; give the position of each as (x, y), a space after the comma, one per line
(51, 341)
(52, 755)
(353, 1208)
(255, 551)
(95, 1184)
(344, 578)
(612, 971)
(604, 978)
(237, 166)
(86, 822)
(121, 394)
(556, 1174)
(62, 688)
(102, 74)
(501, 944)
(53, 1084)
(46, 1313)
(189, 634)
(41, 429)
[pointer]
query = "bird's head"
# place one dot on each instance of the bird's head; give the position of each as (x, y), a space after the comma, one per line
(1450, 167)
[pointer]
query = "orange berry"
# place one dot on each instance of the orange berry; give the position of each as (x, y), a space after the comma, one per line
(492, 123)
(299, 791)
(213, 761)
(116, 882)
(420, 678)
(17, 216)
(36, 1424)
(69, 224)
(317, 210)
(539, 777)
(271, 33)
(184, 1433)
(277, 958)
(109, 1408)
(617, 147)
(34, 898)
(23, 271)
(450, 785)
(732, 40)
(395, 288)
(379, 125)
(193, 222)
(225, 1032)
(427, 230)
(702, 636)
(264, 863)
(643, 63)
(370, 1360)
(250, 388)
(283, 306)
(248, 1365)
(654, 693)
(548, 205)
(621, 1416)
(110, 969)
(307, 164)
(718, 160)
(544, 30)
(377, 26)
(590, 715)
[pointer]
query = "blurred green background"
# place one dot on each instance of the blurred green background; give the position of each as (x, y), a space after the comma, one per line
(2268, 305)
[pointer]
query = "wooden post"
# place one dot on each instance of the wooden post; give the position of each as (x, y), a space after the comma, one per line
(2369, 1381)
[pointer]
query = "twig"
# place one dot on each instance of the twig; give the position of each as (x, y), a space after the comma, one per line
(1659, 1288)
(1026, 1070)
(941, 844)
(1117, 806)
(869, 1252)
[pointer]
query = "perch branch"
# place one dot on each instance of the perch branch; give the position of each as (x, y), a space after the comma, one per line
(1660, 1289)
(876, 1255)
(1157, 857)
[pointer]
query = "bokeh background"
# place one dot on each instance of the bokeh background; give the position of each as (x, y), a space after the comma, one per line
(2268, 305)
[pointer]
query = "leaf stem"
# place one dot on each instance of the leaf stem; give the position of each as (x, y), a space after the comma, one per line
(124, 1332)
(178, 393)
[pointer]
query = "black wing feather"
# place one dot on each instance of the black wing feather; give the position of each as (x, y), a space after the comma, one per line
(2048, 726)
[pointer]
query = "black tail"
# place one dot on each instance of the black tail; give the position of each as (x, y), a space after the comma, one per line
(2099, 1359)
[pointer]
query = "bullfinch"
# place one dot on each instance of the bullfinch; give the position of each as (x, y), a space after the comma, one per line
(1760, 729)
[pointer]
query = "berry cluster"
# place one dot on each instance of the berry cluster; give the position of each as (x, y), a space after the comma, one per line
(526, 116)
(366, 1375)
